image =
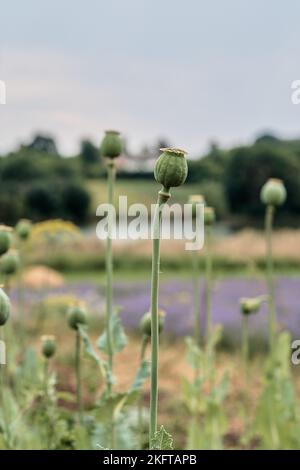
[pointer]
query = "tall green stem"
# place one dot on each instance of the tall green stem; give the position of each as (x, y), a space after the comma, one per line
(245, 344)
(109, 273)
(208, 286)
(21, 292)
(140, 407)
(46, 363)
(270, 277)
(163, 196)
(7, 436)
(196, 289)
(78, 375)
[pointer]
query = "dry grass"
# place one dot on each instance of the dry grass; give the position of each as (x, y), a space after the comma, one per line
(242, 246)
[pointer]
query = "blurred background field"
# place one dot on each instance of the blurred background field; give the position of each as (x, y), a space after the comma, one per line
(215, 79)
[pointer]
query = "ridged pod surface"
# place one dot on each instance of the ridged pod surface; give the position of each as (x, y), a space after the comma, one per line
(76, 316)
(5, 239)
(48, 346)
(171, 168)
(273, 192)
(111, 146)
(10, 262)
(4, 307)
(23, 229)
(145, 324)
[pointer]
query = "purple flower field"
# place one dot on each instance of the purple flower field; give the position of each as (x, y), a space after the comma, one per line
(176, 299)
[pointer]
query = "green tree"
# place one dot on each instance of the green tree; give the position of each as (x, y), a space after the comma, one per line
(249, 169)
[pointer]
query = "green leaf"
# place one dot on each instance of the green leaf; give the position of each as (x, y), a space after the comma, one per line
(119, 338)
(90, 351)
(215, 337)
(195, 356)
(219, 392)
(66, 396)
(162, 440)
(142, 374)
(111, 406)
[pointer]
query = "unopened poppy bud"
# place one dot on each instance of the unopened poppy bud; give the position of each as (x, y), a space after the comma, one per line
(145, 323)
(171, 168)
(4, 307)
(5, 239)
(273, 192)
(251, 305)
(10, 262)
(23, 229)
(209, 216)
(76, 316)
(48, 346)
(111, 146)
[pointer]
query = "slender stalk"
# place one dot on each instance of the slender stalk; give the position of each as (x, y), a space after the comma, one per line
(21, 292)
(46, 369)
(109, 274)
(78, 376)
(245, 344)
(163, 196)
(140, 407)
(7, 437)
(270, 277)
(208, 286)
(196, 291)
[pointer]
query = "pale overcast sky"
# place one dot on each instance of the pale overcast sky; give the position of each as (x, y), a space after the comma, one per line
(190, 71)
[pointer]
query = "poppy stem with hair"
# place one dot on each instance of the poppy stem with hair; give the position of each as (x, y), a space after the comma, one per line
(270, 276)
(170, 170)
(162, 199)
(245, 344)
(111, 172)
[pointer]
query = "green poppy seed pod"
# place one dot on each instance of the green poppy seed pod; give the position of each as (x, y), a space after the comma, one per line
(23, 229)
(273, 192)
(10, 262)
(5, 239)
(145, 323)
(76, 316)
(251, 305)
(194, 200)
(209, 216)
(4, 307)
(171, 168)
(111, 146)
(48, 346)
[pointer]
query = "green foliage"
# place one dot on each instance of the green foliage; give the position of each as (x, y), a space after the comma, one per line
(251, 167)
(91, 352)
(52, 199)
(208, 422)
(75, 202)
(119, 338)
(162, 440)
(277, 416)
(142, 374)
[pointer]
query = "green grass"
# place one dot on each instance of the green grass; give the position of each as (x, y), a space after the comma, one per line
(142, 192)
(143, 274)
